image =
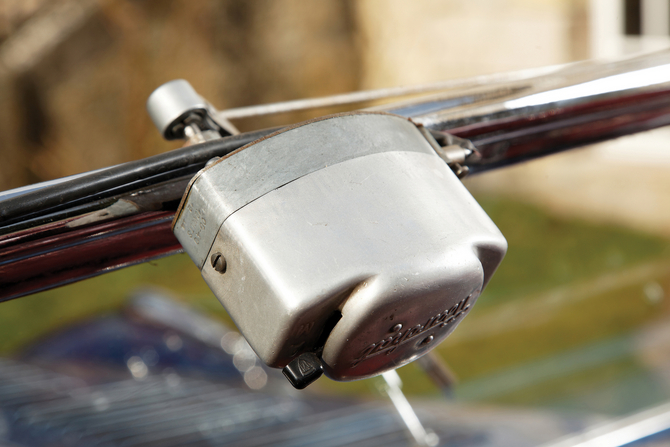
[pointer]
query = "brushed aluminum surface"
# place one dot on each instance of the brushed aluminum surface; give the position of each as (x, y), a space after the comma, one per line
(219, 190)
(391, 240)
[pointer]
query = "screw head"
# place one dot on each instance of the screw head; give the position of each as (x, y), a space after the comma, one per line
(219, 262)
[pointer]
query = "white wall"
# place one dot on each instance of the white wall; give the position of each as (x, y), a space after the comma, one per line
(410, 42)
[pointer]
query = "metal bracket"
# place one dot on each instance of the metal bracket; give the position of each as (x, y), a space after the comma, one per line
(453, 150)
(179, 112)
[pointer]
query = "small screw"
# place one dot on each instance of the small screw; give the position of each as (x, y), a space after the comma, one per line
(426, 340)
(218, 262)
(396, 328)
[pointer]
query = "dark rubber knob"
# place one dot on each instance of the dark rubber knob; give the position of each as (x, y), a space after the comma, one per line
(303, 370)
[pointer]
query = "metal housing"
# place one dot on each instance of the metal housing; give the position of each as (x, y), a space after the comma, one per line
(170, 103)
(347, 236)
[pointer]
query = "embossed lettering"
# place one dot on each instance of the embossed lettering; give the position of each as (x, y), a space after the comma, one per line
(389, 344)
(365, 354)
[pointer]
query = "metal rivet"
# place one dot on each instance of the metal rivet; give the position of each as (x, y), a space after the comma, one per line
(396, 328)
(211, 161)
(426, 340)
(218, 262)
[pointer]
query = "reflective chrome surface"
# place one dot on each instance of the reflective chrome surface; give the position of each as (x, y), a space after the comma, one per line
(577, 105)
(381, 94)
(508, 121)
(635, 429)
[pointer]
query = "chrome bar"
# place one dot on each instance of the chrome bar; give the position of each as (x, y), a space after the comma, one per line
(381, 94)
(100, 224)
(574, 106)
(621, 432)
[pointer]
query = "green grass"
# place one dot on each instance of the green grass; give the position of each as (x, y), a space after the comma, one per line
(597, 317)
(546, 251)
(585, 383)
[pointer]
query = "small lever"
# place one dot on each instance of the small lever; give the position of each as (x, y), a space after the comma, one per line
(303, 370)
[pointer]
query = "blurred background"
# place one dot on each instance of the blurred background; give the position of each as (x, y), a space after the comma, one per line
(574, 325)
